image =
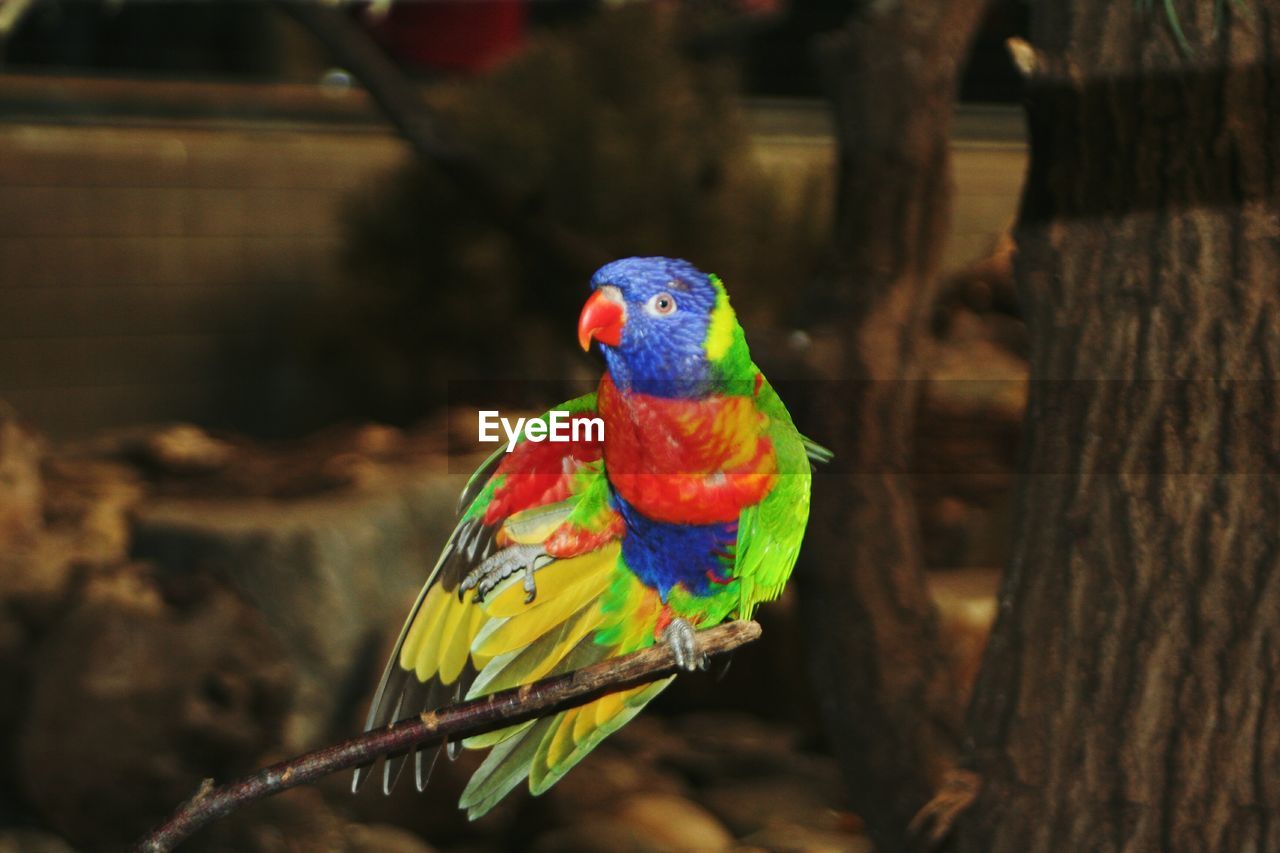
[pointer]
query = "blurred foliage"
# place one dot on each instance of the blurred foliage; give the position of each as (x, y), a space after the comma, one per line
(609, 128)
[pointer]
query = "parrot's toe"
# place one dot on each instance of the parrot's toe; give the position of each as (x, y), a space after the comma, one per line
(530, 585)
(485, 577)
(683, 640)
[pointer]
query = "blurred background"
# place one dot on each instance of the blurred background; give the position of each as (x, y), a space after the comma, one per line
(248, 254)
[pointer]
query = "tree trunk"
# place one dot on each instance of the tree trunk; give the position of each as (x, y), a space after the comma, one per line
(1128, 698)
(889, 697)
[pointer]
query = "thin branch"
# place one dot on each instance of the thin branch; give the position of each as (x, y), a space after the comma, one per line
(400, 102)
(11, 14)
(451, 723)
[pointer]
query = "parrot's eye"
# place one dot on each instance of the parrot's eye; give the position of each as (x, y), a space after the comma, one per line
(661, 305)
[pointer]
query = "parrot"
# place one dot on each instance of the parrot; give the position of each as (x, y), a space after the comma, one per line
(688, 510)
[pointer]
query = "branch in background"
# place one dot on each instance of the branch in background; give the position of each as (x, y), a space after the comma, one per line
(454, 723)
(11, 14)
(398, 98)
(890, 696)
(1025, 57)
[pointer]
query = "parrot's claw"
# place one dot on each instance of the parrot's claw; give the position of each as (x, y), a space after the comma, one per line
(485, 577)
(530, 588)
(683, 640)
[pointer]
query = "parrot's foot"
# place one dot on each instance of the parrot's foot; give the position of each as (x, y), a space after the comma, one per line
(683, 640)
(497, 568)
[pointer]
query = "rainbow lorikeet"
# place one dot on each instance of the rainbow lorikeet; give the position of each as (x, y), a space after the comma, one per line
(689, 511)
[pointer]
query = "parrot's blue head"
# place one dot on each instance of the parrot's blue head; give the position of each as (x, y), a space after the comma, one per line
(653, 319)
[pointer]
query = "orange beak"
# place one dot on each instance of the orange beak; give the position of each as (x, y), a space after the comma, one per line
(601, 318)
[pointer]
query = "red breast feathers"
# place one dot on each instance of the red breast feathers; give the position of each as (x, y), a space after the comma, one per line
(686, 461)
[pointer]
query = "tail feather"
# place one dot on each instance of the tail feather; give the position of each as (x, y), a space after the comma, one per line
(562, 747)
(816, 452)
(413, 697)
(546, 750)
(506, 765)
(422, 767)
(394, 763)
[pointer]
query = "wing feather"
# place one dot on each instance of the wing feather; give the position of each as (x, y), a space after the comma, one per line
(506, 766)
(436, 658)
(610, 713)
(588, 607)
(770, 532)
(522, 666)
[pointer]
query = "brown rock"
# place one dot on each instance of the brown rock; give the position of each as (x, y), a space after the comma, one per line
(383, 838)
(74, 519)
(649, 738)
(87, 506)
(598, 834)
(21, 491)
(34, 586)
(966, 602)
(797, 838)
(187, 449)
(378, 439)
(970, 373)
(672, 822)
(603, 778)
(332, 574)
(715, 746)
(33, 581)
(32, 841)
(296, 821)
(355, 470)
(751, 804)
(967, 438)
(146, 688)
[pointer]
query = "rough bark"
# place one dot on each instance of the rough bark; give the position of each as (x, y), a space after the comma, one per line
(889, 698)
(1128, 699)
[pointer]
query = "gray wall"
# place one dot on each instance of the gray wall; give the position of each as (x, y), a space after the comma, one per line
(134, 255)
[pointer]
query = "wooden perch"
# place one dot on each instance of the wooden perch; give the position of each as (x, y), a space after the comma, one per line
(450, 723)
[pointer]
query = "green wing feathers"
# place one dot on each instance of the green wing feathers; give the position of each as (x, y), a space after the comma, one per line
(770, 533)
(588, 606)
(586, 610)
(549, 748)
